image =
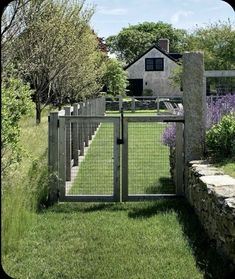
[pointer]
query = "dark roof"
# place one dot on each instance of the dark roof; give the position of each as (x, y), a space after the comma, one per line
(173, 56)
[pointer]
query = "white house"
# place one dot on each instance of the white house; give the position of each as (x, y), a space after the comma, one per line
(152, 70)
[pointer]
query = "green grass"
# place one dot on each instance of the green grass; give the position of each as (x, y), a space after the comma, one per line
(24, 186)
(148, 240)
(228, 166)
(148, 162)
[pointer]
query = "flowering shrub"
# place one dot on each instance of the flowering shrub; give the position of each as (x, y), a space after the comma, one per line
(219, 108)
(220, 138)
(216, 109)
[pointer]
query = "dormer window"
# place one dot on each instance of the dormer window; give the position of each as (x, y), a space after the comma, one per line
(154, 64)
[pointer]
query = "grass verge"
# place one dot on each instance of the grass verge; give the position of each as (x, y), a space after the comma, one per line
(147, 240)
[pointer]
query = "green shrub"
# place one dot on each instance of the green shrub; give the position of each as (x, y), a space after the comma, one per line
(16, 102)
(220, 139)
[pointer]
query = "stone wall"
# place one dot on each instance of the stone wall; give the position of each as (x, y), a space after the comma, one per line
(212, 195)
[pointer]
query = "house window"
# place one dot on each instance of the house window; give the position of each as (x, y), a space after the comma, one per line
(154, 64)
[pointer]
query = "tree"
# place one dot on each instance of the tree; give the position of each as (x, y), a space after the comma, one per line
(57, 52)
(217, 41)
(115, 78)
(135, 39)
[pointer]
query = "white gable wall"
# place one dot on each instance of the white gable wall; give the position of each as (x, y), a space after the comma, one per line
(157, 81)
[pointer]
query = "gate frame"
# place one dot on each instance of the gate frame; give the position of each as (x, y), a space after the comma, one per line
(179, 119)
(67, 120)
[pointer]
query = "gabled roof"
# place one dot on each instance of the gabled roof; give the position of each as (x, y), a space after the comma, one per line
(173, 56)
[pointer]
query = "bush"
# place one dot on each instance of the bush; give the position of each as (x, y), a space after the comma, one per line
(220, 139)
(16, 102)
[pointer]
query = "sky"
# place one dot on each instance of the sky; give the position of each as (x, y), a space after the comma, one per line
(113, 15)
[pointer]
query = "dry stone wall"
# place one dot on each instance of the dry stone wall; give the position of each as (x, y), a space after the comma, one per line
(212, 195)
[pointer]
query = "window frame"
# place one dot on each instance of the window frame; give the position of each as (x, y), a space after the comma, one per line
(154, 59)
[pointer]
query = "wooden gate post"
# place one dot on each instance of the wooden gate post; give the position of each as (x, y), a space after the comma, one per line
(120, 102)
(179, 159)
(53, 156)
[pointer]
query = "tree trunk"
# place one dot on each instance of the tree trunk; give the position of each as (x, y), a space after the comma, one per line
(38, 113)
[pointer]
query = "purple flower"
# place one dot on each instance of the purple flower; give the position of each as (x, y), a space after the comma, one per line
(168, 137)
(217, 107)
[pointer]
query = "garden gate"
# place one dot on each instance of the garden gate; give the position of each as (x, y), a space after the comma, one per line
(91, 168)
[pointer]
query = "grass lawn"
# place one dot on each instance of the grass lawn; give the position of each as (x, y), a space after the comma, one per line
(148, 240)
(148, 162)
(228, 166)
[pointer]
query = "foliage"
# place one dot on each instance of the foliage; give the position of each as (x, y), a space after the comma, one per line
(218, 108)
(169, 135)
(115, 78)
(16, 102)
(58, 53)
(25, 187)
(220, 138)
(135, 39)
(217, 41)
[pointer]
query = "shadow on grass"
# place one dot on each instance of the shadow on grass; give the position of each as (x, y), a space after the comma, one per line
(207, 258)
(164, 185)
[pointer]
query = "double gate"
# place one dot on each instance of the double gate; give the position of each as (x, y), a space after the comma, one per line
(123, 159)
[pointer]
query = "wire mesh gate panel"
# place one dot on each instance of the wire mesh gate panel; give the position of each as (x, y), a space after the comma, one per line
(96, 177)
(145, 160)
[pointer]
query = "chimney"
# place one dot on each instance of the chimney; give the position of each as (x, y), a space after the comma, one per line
(164, 44)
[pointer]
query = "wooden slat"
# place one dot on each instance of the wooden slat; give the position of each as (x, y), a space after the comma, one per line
(68, 145)
(179, 159)
(62, 161)
(53, 155)
(75, 140)
(125, 161)
(116, 162)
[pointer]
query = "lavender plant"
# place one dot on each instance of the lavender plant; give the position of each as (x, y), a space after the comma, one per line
(217, 108)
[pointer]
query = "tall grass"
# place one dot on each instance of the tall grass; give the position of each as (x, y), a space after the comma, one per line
(24, 187)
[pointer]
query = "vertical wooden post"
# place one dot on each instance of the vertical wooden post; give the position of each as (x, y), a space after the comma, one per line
(179, 159)
(86, 124)
(53, 156)
(62, 159)
(81, 128)
(158, 104)
(120, 102)
(125, 162)
(68, 145)
(75, 140)
(133, 104)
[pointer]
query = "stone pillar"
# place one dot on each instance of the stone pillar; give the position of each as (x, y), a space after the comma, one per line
(194, 100)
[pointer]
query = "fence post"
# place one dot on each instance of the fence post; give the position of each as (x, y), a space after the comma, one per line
(120, 102)
(81, 133)
(86, 124)
(53, 156)
(194, 99)
(75, 142)
(179, 159)
(68, 145)
(133, 104)
(158, 104)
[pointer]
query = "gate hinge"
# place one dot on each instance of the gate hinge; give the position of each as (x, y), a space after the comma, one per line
(120, 141)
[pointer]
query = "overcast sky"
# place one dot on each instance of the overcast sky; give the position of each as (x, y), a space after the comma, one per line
(112, 15)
